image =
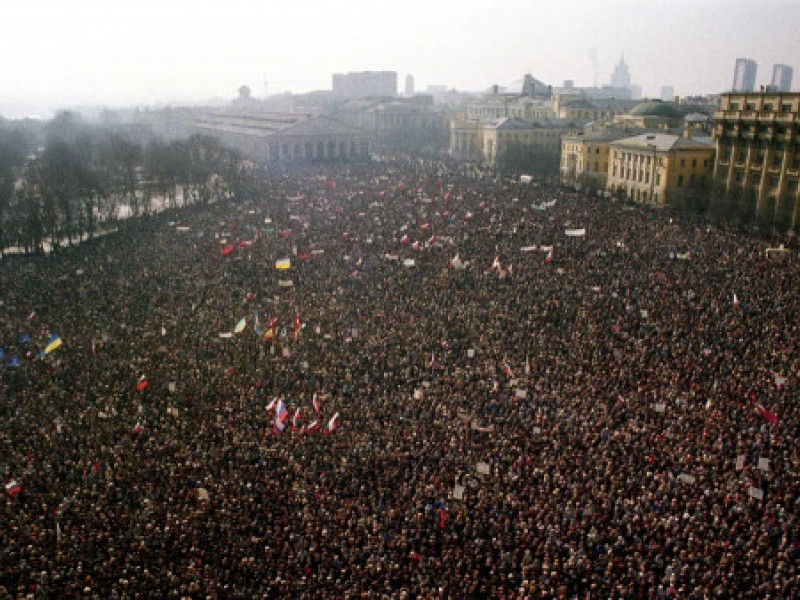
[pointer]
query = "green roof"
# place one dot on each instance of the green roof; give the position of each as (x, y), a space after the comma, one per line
(657, 108)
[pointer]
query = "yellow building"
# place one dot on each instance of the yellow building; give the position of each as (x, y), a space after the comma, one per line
(658, 168)
(758, 155)
(585, 156)
(505, 139)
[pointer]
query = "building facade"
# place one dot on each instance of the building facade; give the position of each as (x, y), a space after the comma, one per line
(781, 78)
(506, 140)
(277, 138)
(585, 156)
(744, 75)
(365, 84)
(657, 168)
(758, 154)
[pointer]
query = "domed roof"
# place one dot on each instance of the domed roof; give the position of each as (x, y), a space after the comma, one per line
(658, 108)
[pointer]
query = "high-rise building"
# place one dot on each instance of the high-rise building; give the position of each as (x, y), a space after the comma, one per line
(409, 85)
(744, 75)
(365, 84)
(667, 93)
(621, 78)
(781, 78)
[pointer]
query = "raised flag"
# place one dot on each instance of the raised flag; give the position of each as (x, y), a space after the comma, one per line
(281, 412)
(137, 428)
(227, 250)
(295, 417)
(298, 325)
(315, 402)
(735, 299)
(767, 415)
(14, 362)
(142, 383)
(496, 264)
(549, 257)
(13, 488)
(456, 263)
(313, 426)
(283, 264)
(24, 339)
(442, 518)
(240, 325)
(332, 423)
(507, 370)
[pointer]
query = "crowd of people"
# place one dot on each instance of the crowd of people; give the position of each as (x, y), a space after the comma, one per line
(463, 386)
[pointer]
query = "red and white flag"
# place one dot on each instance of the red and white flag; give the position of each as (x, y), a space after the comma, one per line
(332, 423)
(507, 370)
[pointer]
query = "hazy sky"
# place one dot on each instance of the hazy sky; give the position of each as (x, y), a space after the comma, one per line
(62, 53)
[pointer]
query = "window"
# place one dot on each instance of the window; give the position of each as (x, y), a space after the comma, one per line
(705, 162)
(739, 176)
(680, 180)
(774, 182)
(786, 108)
(767, 108)
(756, 178)
(734, 106)
(694, 162)
(683, 163)
(658, 178)
(791, 185)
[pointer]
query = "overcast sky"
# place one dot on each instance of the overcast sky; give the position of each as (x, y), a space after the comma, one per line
(63, 53)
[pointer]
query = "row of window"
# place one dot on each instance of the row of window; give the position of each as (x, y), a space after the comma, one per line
(766, 107)
(322, 150)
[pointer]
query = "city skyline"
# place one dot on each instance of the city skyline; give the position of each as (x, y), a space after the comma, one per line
(117, 54)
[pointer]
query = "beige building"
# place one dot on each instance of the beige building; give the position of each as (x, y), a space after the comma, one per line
(493, 141)
(585, 156)
(658, 168)
(758, 154)
(276, 137)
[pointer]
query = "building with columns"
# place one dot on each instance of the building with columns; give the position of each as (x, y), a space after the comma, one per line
(758, 155)
(658, 168)
(283, 138)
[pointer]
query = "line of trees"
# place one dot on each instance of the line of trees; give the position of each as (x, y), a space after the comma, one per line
(60, 180)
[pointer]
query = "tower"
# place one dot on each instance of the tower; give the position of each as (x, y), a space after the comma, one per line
(621, 78)
(744, 75)
(781, 78)
(409, 85)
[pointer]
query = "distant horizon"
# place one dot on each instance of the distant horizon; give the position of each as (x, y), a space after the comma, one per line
(111, 53)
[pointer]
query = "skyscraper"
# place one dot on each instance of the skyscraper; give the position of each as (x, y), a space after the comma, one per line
(409, 85)
(781, 78)
(744, 75)
(621, 78)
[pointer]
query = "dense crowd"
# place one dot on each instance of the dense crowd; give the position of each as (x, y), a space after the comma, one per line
(517, 413)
